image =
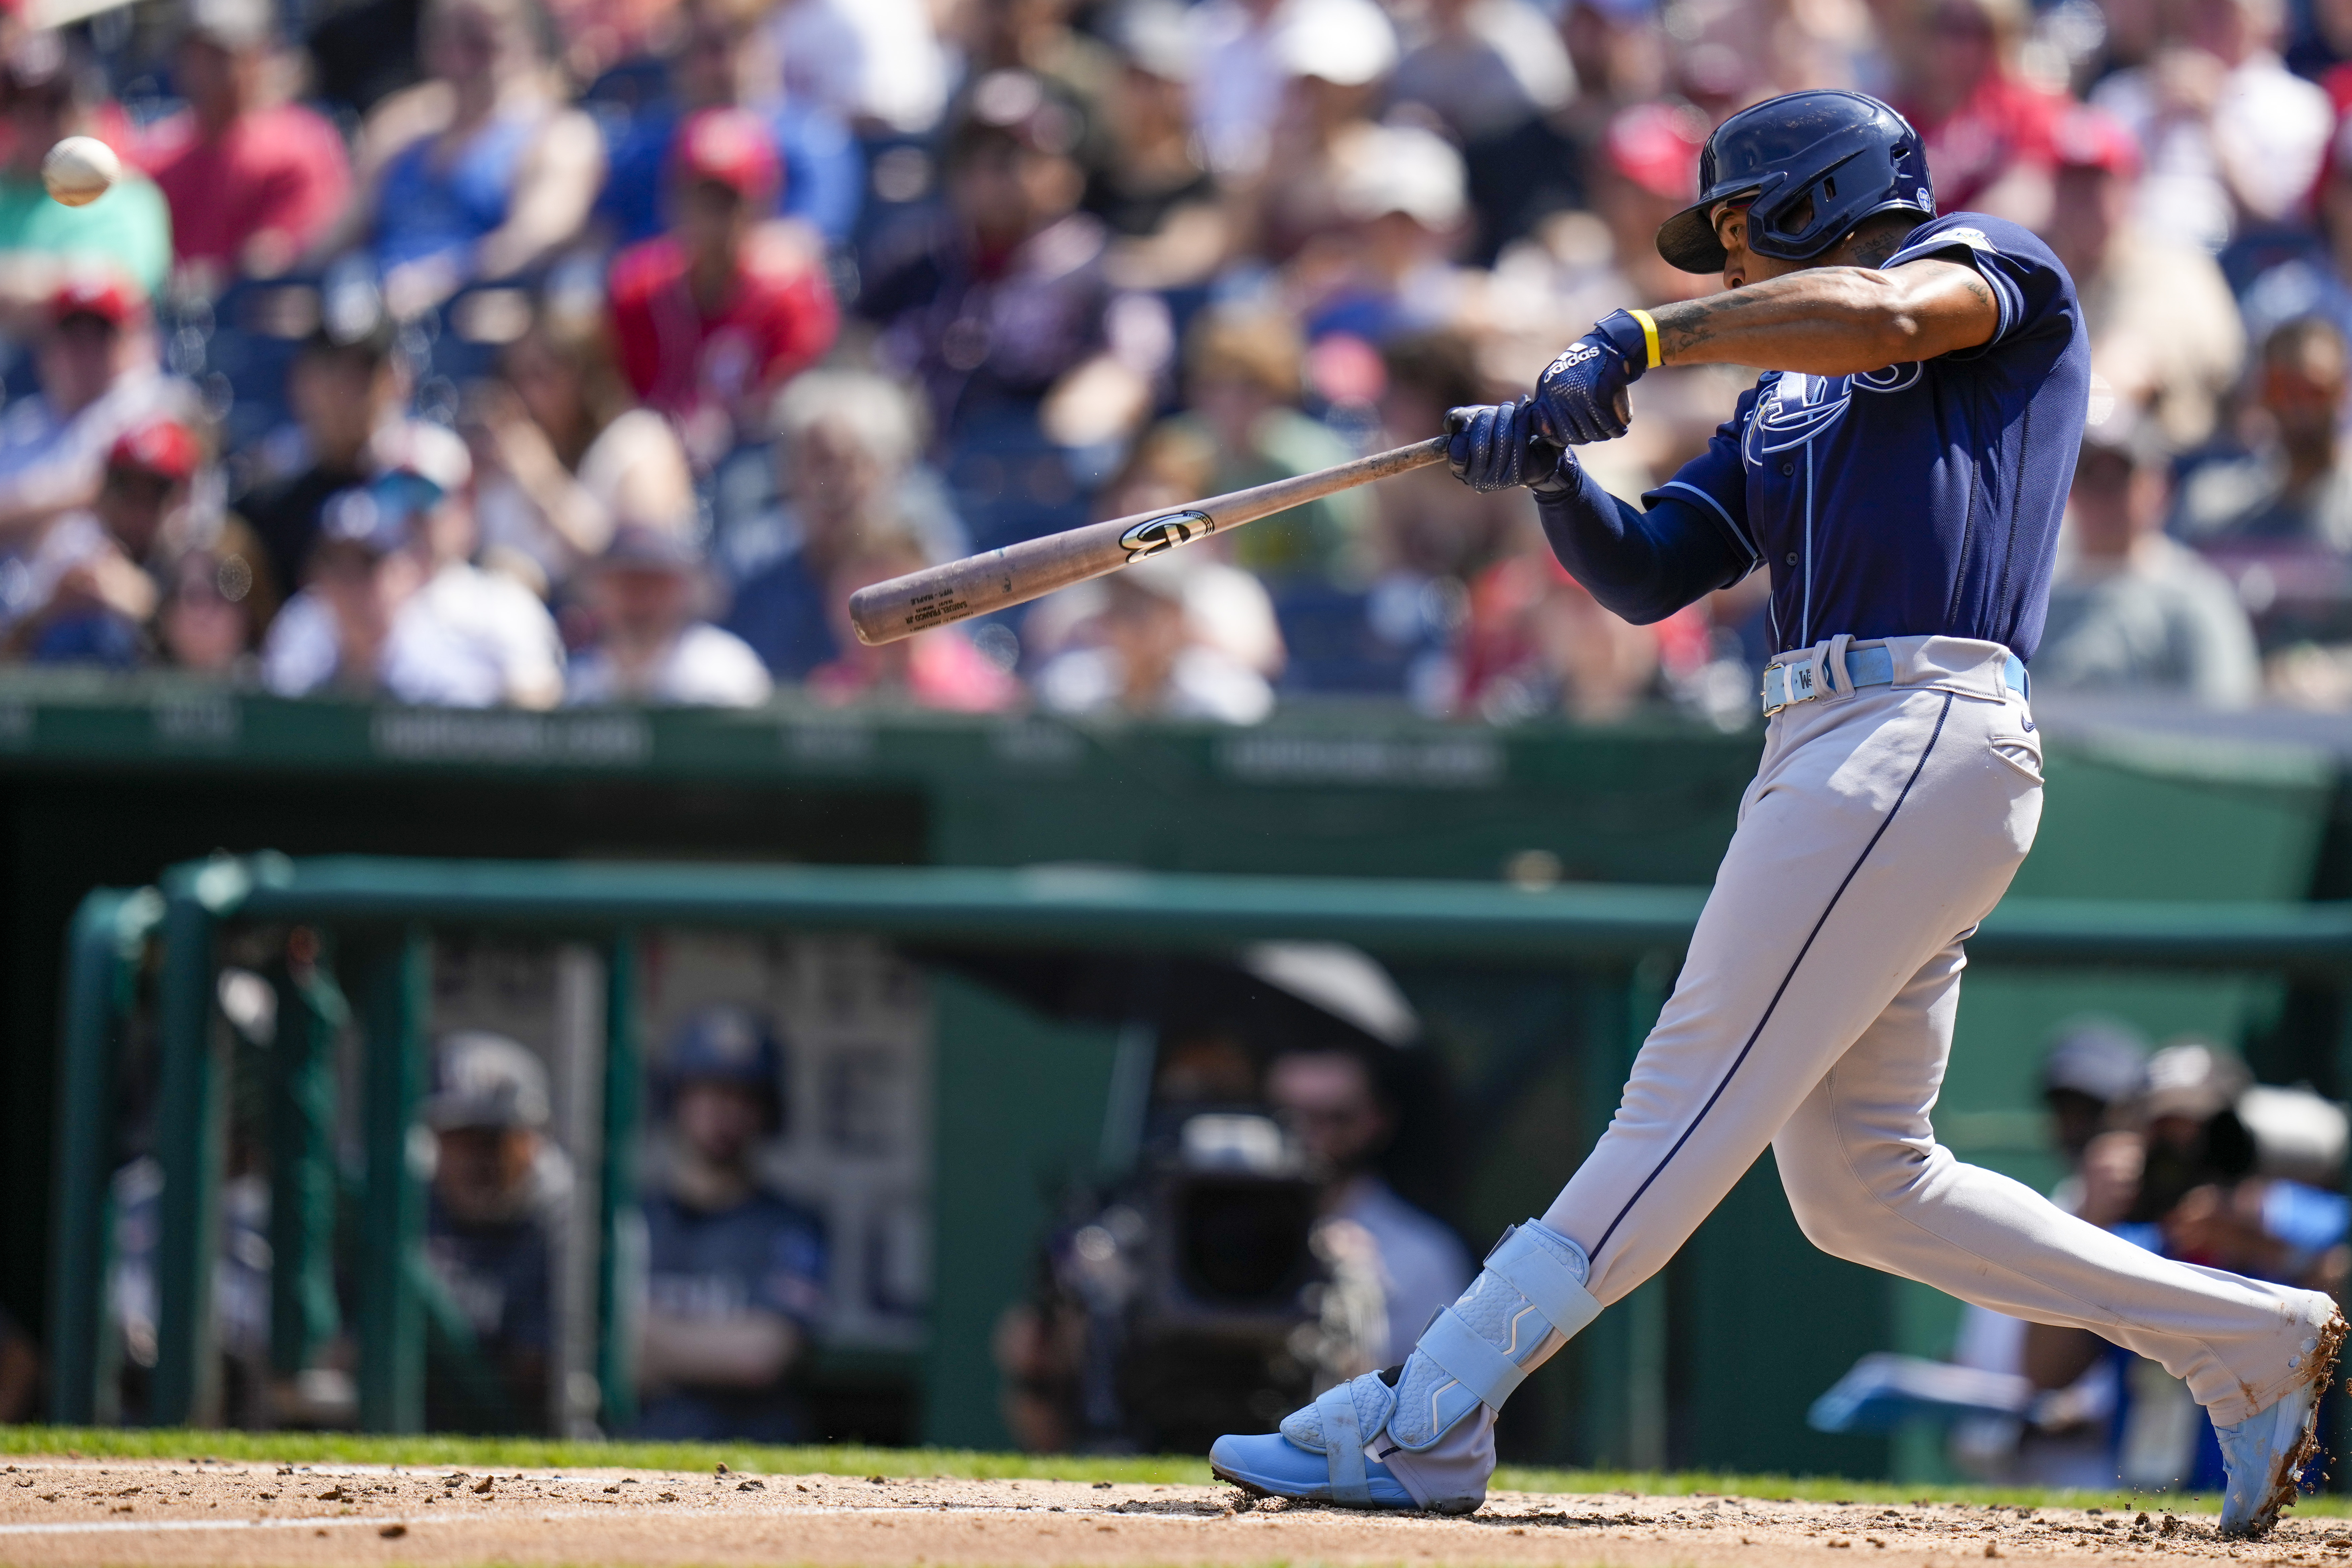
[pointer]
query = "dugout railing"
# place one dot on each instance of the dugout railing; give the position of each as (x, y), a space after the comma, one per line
(375, 918)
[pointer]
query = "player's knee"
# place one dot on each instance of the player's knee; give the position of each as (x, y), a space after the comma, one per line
(1832, 1205)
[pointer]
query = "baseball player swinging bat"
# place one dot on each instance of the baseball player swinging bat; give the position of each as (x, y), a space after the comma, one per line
(937, 596)
(1899, 469)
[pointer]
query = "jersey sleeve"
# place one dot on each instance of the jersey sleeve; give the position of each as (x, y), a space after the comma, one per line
(2029, 288)
(1715, 481)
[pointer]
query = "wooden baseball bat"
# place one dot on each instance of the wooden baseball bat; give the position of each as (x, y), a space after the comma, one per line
(937, 596)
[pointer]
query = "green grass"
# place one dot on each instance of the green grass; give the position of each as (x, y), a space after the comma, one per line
(536, 1454)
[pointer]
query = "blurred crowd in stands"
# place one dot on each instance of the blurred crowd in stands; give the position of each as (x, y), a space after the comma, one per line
(483, 352)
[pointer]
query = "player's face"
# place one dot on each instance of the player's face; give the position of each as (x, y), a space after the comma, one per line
(1742, 266)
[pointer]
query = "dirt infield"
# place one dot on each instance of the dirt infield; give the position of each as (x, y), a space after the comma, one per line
(121, 1511)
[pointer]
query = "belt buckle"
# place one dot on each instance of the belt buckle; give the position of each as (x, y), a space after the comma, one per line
(1799, 683)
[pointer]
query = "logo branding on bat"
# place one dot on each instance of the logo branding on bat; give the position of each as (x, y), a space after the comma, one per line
(1158, 535)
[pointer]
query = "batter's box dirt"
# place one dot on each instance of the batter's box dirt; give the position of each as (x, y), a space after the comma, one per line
(133, 1512)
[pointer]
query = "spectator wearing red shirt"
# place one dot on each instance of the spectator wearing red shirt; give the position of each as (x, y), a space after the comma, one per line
(252, 182)
(713, 317)
(1986, 130)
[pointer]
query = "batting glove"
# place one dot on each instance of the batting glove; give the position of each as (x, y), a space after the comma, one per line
(1581, 396)
(1496, 445)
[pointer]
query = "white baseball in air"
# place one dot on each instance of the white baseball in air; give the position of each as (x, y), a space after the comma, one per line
(80, 169)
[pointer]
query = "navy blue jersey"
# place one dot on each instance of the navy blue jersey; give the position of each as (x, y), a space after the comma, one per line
(1923, 498)
(764, 1254)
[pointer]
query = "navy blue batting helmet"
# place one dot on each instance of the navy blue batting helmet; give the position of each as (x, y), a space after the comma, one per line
(727, 1045)
(1814, 163)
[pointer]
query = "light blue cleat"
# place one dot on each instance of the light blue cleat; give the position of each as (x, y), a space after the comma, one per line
(1524, 1305)
(1271, 1465)
(2265, 1453)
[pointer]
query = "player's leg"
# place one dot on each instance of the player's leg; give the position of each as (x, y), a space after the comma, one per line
(1869, 1182)
(1875, 830)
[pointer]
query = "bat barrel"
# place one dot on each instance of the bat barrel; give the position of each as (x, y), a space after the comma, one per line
(940, 595)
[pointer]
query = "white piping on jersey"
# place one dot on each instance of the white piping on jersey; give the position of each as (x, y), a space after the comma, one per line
(1779, 424)
(1755, 556)
(1805, 620)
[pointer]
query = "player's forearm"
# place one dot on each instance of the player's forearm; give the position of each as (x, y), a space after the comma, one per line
(749, 1350)
(1642, 565)
(1832, 320)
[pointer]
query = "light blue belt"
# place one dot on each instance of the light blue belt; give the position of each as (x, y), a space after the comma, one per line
(1786, 685)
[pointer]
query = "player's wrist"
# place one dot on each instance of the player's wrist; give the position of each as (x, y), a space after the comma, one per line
(1633, 333)
(1550, 470)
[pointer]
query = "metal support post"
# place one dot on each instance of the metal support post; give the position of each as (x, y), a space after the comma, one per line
(102, 950)
(190, 1122)
(395, 1014)
(616, 1185)
(1625, 1350)
(311, 1011)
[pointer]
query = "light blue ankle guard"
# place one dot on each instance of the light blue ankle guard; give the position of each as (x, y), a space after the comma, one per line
(1528, 1301)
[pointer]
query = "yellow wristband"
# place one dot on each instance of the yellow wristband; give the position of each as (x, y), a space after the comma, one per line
(1649, 333)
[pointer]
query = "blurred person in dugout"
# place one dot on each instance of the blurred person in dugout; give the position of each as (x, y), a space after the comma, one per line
(2296, 487)
(2231, 140)
(253, 180)
(2093, 1069)
(96, 359)
(735, 1274)
(494, 1216)
(644, 595)
(711, 319)
(392, 604)
(2165, 332)
(50, 91)
(848, 444)
(478, 172)
(2205, 1166)
(1344, 1116)
(2132, 611)
(563, 455)
(151, 572)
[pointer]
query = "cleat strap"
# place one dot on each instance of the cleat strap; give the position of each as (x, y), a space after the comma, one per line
(1534, 1272)
(1343, 1447)
(1470, 1361)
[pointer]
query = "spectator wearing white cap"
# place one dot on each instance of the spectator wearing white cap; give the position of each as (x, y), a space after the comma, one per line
(1251, 50)
(877, 64)
(2130, 610)
(652, 646)
(1334, 57)
(1485, 66)
(1387, 270)
(394, 605)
